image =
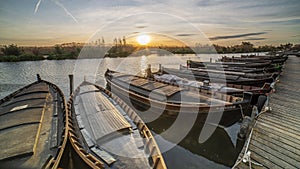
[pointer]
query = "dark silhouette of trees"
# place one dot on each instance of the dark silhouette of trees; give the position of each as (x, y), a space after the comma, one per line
(36, 51)
(58, 49)
(247, 47)
(287, 46)
(124, 41)
(12, 50)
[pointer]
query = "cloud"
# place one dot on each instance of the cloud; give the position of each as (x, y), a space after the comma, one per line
(141, 27)
(255, 39)
(236, 36)
(186, 34)
(295, 35)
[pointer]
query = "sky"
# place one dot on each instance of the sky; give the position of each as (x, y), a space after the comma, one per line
(223, 22)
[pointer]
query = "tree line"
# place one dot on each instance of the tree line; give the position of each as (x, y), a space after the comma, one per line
(13, 53)
(120, 48)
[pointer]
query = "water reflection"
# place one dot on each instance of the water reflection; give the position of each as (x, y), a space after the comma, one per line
(144, 63)
(221, 149)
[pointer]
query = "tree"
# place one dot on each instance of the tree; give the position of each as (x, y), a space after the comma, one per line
(36, 51)
(124, 41)
(103, 42)
(247, 47)
(120, 41)
(12, 50)
(115, 42)
(58, 49)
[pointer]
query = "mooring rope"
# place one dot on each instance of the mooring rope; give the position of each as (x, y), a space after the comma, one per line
(246, 157)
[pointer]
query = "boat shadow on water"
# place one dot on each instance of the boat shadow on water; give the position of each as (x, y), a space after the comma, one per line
(219, 150)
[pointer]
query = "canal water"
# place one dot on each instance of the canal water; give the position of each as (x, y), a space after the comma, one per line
(220, 149)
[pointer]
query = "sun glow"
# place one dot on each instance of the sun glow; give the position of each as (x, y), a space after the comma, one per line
(143, 39)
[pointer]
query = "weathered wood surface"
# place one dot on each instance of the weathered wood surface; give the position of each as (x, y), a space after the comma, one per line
(31, 127)
(275, 140)
(153, 85)
(19, 122)
(106, 130)
(97, 114)
(139, 82)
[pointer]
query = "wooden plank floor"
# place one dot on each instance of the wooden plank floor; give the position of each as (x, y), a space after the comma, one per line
(275, 139)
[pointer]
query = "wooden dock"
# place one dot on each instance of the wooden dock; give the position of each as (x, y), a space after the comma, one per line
(274, 141)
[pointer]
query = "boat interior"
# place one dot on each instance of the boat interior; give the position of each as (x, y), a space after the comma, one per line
(31, 126)
(108, 131)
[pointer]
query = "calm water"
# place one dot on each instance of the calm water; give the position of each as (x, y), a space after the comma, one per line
(219, 151)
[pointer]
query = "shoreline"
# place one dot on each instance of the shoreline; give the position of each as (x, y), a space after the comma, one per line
(13, 59)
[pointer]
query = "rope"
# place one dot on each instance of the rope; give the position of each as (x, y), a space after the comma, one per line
(247, 154)
(247, 146)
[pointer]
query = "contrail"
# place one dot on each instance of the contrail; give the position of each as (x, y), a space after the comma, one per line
(37, 6)
(65, 9)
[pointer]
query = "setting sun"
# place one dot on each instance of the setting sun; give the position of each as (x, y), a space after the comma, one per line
(143, 39)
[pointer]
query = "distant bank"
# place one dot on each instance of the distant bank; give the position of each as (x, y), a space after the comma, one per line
(13, 53)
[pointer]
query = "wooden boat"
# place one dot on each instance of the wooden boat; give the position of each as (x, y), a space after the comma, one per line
(266, 57)
(219, 77)
(234, 67)
(106, 133)
(33, 127)
(241, 74)
(229, 89)
(257, 64)
(273, 60)
(144, 93)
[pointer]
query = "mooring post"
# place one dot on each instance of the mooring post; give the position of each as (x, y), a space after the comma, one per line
(149, 72)
(71, 83)
(38, 77)
(159, 68)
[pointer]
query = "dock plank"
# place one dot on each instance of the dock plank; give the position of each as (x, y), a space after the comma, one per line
(280, 138)
(281, 123)
(283, 151)
(272, 155)
(263, 160)
(289, 120)
(276, 134)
